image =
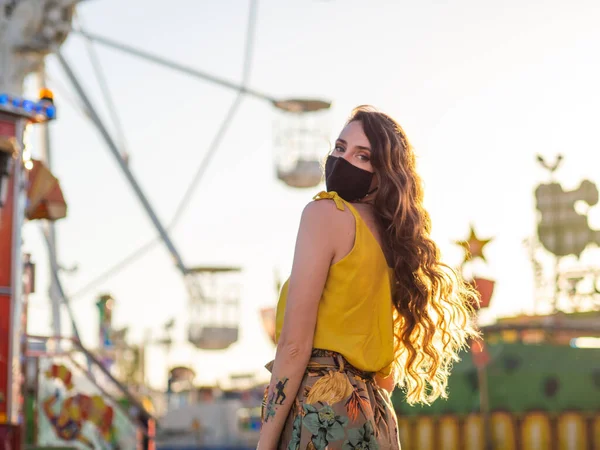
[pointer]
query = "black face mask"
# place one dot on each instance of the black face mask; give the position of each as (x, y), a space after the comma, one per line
(350, 182)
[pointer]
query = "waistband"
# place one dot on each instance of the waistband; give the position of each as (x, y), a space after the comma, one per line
(325, 360)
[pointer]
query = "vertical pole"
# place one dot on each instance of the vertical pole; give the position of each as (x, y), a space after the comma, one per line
(538, 275)
(559, 238)
(14, 399)
(49, 230)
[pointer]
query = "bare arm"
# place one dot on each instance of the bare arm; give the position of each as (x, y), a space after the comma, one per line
(386, 383)
(313, 255)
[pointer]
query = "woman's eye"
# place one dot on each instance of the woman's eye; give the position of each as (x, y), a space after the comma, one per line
(338, 149)
(364, 157)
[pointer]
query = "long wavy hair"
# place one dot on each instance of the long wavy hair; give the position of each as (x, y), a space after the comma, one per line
(433, 304)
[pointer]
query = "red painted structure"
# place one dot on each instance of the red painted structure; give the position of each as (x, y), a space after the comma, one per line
(15, 114)
(10, 373)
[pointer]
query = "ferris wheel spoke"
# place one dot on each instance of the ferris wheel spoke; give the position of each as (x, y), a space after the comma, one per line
(249, 41)
(104, 88)
(208, 156)
(204, 163)
(114, 149)
(68, 96)
(116, 268)
(172, 65)
(48, 239)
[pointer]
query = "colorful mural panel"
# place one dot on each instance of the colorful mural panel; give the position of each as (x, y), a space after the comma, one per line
(73, 410)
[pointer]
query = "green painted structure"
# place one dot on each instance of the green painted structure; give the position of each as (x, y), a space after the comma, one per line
(521, 378)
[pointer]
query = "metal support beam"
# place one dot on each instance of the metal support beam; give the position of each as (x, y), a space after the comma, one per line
(112, 146)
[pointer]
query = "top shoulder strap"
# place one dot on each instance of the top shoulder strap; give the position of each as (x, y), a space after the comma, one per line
(339, 202)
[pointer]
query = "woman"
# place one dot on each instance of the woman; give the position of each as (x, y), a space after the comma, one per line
(368, 306)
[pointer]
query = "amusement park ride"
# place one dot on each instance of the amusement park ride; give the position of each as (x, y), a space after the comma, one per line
(39, 375)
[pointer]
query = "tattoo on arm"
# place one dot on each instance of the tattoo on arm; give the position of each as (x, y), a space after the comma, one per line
(276, 398)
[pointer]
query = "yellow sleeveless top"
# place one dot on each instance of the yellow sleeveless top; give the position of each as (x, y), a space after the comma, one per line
(355, 311)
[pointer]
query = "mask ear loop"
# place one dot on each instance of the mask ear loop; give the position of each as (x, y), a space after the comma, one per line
(370, 192)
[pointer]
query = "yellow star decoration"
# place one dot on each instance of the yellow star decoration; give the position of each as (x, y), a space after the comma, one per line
(473, 246)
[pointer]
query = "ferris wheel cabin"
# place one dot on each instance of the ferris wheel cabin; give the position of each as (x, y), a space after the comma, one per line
(301, 141)
(214, 307)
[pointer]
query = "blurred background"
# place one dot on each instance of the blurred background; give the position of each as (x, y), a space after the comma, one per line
(172, 148)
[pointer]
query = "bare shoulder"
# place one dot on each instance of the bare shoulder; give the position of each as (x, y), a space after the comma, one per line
(330, 229)
(325, 213)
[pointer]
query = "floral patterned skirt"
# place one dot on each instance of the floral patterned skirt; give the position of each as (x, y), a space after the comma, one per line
(339, 407)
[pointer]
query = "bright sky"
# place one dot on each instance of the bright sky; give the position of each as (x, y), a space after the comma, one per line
(480, 87)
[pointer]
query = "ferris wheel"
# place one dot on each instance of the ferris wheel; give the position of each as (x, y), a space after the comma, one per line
(32, 29)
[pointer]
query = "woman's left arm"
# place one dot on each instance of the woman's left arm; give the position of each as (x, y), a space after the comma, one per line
(312, 259)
